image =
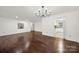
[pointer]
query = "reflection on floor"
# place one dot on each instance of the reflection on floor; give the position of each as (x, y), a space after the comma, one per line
(34, 42)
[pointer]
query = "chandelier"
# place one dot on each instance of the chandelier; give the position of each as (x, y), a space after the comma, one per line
(43, 12)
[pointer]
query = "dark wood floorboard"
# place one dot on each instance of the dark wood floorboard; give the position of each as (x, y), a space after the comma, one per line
(35, 42)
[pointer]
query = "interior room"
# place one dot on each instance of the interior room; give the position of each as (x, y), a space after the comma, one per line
(39, 29)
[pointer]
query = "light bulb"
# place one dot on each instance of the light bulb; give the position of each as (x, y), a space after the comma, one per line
(17, 17)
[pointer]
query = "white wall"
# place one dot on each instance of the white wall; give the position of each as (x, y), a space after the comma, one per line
(10, 26)
(71, 25)
(48, 26)
(38, 26)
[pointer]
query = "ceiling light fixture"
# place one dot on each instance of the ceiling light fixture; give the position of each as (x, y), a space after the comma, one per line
(43, 12)
(17, 17)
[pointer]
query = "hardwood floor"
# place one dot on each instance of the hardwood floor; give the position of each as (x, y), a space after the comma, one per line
(43, 44)
(71, 46)
(46, 44)
(35, 42)
(14, 42)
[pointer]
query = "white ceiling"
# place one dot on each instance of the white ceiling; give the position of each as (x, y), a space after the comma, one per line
(27, 12)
